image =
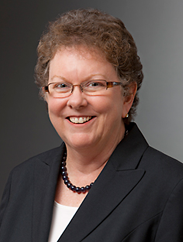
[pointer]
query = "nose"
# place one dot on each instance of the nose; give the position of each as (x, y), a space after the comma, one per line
(77, 99)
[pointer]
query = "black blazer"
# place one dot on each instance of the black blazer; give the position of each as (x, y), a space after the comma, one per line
(138, 197)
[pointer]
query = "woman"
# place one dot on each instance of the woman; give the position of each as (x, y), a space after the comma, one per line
(105, 183)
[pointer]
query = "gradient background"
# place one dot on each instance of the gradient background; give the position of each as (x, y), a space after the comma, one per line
(157, 27)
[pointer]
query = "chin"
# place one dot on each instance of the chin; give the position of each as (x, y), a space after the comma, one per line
(79, 141)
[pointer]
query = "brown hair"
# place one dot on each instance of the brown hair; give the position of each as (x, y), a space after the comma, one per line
(97, 30)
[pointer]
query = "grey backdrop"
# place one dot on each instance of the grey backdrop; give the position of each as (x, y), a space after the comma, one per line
(157, 27)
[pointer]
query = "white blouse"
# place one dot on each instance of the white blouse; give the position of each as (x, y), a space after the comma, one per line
(62, 215)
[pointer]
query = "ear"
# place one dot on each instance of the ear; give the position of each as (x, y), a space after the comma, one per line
(128, 98)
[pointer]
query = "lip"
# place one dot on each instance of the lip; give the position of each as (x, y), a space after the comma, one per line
(88, 118)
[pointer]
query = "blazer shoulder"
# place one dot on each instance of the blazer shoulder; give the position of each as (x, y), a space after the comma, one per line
(45, 157)
(159, 156)
(163, 164)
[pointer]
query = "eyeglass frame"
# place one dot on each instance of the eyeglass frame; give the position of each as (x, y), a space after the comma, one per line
(108, 85)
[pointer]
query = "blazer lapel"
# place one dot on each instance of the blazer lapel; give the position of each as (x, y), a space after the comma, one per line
(116, 181)
(99, 203)
(45, 179)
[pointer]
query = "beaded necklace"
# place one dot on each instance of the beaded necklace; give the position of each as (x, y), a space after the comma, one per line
(66, 178)
(68, 182)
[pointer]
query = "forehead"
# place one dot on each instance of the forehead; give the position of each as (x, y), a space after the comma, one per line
(80, 62)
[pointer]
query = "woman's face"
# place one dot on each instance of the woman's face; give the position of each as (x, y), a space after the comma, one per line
(105, 128)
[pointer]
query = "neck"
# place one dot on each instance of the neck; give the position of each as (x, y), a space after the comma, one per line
(82, 163)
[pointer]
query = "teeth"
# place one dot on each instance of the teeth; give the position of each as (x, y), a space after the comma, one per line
(79, 120)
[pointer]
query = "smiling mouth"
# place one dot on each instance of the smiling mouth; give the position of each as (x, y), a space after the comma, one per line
(79, 120)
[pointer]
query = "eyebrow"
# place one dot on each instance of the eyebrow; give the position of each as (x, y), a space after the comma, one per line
(60, 77)
(89, 77)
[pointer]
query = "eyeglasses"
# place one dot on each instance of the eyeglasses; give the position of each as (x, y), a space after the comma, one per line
(94, 87)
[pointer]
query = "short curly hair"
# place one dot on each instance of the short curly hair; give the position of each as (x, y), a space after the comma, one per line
(93, 29)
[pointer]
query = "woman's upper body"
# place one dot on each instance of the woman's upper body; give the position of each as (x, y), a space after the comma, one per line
(89, 74)
(88, 71)
(90, 143)
(137, 197)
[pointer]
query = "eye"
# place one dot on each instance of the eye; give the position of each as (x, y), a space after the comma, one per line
(61, 87)
(96, 84)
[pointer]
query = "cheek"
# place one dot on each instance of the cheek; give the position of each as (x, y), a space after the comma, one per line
(109, 107)
(55, 106)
